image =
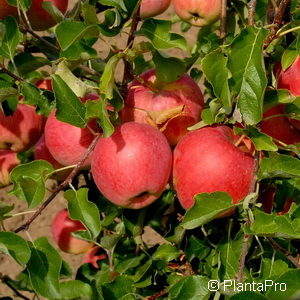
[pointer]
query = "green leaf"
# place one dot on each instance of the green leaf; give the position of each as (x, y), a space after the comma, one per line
(120, 287)
(26, 63)
(80, 208)
(69, 108)
(287, 286)
(44, 269)
(6, 91)
(206, 208)
(69, 32)
(197, 248)
(274, 97)
(15, 246)
(190, 288)
(276, 226)
(29, 181)
(74, 289)
(4, 210)
(248, 72)
(279, 165)
(166, 252)
(272, 269)
(214, 66)
(54, 12)
(109, 242)
(168, 69)
(158, 31)
(98, 109)
(289, 55)
(11, 39)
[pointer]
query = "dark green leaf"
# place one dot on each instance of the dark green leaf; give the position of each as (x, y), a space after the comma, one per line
(166, 252)
(74, 289)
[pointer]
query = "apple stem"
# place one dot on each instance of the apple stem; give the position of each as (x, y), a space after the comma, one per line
(223, 19)
(157, 295)
(64, 184)
(251, 13)
(238, 142)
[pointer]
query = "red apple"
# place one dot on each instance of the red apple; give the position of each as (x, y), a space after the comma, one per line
(22, 129)
(39, 18)
(62, 227)
(286, 207)
(93, 256)
(279, 127)
(8, 160)
(132, 167)
(206, 161)
(152, 8)
(45, 84)
(6, 10)
(290, 80)
(183, 95)
(198, 12)
(67, 143)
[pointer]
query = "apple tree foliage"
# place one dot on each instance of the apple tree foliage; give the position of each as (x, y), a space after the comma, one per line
(194, 247)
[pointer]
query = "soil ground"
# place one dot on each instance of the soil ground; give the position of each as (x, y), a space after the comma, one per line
(41, 227)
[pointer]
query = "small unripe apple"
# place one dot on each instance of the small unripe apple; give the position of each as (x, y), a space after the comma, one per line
(6, 10)
(62, 227)
(152, 8)
(67, 143)
(179, 104)
(198, 12)
(206, 160)
(8, 160)
(132, 167)
(22, 129)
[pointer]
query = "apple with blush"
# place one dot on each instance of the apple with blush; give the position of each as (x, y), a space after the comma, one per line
(206, 160)
(8, 160)
(132, 167)
(198, 12)
(22, 129)
(62, 228)
(152, 8)
(7, 10)
(181, 99)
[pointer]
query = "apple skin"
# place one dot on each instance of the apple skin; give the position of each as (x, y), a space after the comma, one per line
(6, 10)
(45, 84)
(182, 92)
(8, 160)
(279, 127)
(131, 168)
(22, 129)
(39, 18)
(198, 12)
(290, 80)
(67, 143)
(62, 227)
(152, 8)
(206, 160)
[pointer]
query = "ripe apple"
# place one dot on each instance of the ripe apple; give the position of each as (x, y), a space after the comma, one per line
(45, 84)
(279, 127)
(206, 160)
(62, 227)
(132, 167)
(198, 12)
(183, 95)
(290, 80)
(152, 8)
(93, 256)
(6, 10)
(8, 160)
(22, 129)
(67, 143)
(39, 18)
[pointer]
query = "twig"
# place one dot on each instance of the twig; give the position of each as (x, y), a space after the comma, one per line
(6, 71)
(277, 22)
(243, 257)
(292, 259)
(65, 183)
(252, 7)
(157, 295)
(4, 279)
(223, 19)
(41, 39)
(128, 72)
